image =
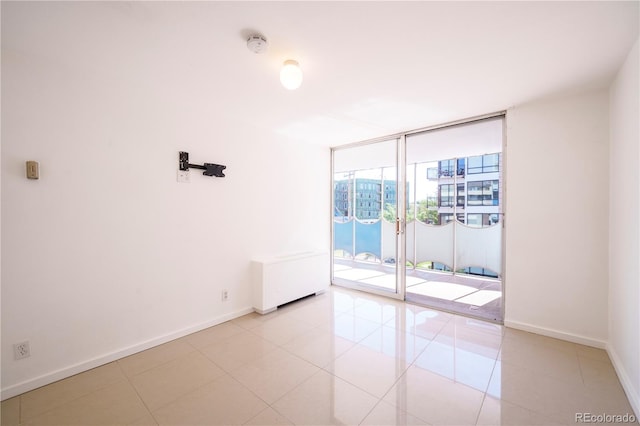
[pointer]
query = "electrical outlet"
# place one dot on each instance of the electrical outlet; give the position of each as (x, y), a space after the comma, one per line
(225, 295)
(21, 350)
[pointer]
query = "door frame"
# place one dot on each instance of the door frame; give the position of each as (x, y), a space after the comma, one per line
(399, 293)
(401, 170)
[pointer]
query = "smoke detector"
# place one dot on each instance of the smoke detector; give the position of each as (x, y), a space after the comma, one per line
(257, 44)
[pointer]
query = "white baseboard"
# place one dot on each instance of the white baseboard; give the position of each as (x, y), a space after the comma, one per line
(71, 370)
(549, 332)
(632, 394)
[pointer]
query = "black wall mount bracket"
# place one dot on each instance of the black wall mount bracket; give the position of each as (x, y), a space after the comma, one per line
(209, 168)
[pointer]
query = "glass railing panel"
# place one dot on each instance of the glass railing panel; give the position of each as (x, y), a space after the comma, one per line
(479, 247)
(369, 239)
(434, 244)
(343, 236)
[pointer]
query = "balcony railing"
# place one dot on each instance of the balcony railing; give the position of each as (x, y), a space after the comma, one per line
(453, 244)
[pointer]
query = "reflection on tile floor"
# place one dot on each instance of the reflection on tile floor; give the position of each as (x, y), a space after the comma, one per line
(343, 357)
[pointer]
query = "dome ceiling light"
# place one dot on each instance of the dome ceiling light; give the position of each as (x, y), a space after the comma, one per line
(290, 74)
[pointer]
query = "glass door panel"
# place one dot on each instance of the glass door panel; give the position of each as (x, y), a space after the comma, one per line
(365, 206)
(454, 245)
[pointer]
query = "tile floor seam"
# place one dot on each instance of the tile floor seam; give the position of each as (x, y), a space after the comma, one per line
(397, 378)
(370, 334)
(154, 366)
(73, 399)
(531, 410)
(339, 378)
(179, 397)
(355, 385)
(364, 390)
(257, 396)
(550, 415)
(484, 398)
(294, 388)
(486, 391)
(269, 407)
(282, 345)
(209, 359)
(584, 382)
(415, 414)
(370, 411)
(140, 397)
(404, 373)
(300, 358)
(395, 383)
(264, 338)
(454, 381)
(23, 421)
(543, 374)
(382, 401)
(283, 415)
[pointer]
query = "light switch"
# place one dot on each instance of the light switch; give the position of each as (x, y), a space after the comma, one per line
(33, 170)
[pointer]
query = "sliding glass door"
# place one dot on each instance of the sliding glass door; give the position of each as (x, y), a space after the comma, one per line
(366, 196)
(454, 239)
(421, 217)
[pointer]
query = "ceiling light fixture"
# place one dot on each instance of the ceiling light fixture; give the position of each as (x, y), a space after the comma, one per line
(291, 75)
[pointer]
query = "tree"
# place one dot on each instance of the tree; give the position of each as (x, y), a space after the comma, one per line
(389, 213)
(425, 214)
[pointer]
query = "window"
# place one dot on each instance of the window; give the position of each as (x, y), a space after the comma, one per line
(483, 193)
(432, 173)
(475, 164)
(482, 220)
(446, 168)
(484, 164)
(460, 169)
(475, 220)
(460, 196)
(444, 218)
(483, 272)
(490, 163)
(445, 195)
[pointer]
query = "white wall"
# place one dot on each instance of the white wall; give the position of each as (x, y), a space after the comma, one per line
(624, 234)
(557, 188)
(107, 254)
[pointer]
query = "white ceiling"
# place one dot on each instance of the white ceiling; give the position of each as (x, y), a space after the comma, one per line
(370, 68)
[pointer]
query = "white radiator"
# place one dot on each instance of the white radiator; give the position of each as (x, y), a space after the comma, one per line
(281, 279)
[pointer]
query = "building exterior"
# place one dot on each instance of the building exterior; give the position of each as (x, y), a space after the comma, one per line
(469, 189)
(371, 197)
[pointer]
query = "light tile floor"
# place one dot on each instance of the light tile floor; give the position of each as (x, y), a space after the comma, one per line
(343, 357)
